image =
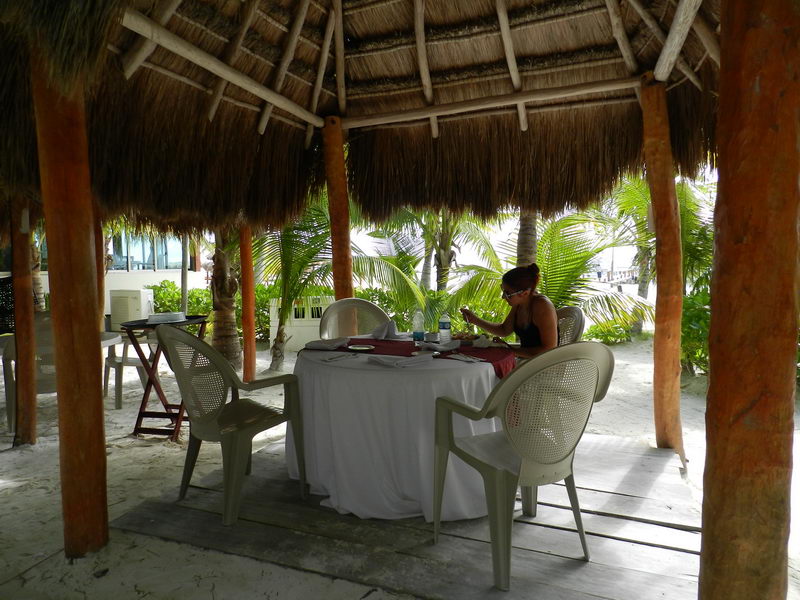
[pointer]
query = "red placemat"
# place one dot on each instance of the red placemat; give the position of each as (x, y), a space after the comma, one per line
(502, 359)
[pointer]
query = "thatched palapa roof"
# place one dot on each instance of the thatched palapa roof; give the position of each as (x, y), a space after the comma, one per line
(472, 105)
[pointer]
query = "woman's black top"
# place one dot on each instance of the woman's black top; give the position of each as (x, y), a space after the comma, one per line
(529, 336)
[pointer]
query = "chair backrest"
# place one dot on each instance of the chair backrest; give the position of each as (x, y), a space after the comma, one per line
(350, 316)
(544, 403)
(570, 324)
(204, 377)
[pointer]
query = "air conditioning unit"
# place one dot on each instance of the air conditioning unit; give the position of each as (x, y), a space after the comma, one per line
(130, 305)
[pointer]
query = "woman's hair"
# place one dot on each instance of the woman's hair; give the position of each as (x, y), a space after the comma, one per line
(522, 278)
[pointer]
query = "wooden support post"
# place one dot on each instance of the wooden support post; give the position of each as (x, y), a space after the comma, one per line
(69, 222)
(339, 207)
(25, 364)
(754, 306)
(669, 298)
(248, 303)
(100, 266)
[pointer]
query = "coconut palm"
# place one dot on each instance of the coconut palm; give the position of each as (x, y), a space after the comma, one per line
(299, 256)
(566, 249)
(224, 285)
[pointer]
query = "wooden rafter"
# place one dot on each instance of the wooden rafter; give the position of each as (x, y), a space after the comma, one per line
(229, 55)
(620, 35)
(323, 64)
(338, 32)
(681, 23)
(142, 47)
(539, 95)
(511, 59)
(422, 60)
(707, 37)
(446, 34)
(654, 26)
(137, 22)
(286, 59)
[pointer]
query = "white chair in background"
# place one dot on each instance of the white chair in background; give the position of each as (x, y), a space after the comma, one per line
(534, 448)
(350, 316)
(570, 324)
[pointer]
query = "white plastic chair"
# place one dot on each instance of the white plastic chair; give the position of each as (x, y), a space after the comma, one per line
(206, 380)
(570, 324)
(533, 448)
(350, 316)
(118, 363)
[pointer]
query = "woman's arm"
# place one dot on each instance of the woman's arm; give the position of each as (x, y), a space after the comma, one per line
(543, 315)
(500, 329)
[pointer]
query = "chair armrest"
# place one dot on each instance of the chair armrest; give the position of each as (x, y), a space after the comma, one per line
(265, 382)
(471, 412)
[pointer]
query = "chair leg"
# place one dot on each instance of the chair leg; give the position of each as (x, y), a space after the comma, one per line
(118, 372)
(11, 395)
(235, 454)
(440, 456)
(188, 466)
(106, 372)
(501, 492)
(249, 468)
(576, 510)
(530, 493)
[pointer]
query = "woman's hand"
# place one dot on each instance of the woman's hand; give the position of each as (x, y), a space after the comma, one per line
(468, 315)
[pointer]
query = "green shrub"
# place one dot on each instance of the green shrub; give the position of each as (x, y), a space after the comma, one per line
(608, 333)
(694, 331)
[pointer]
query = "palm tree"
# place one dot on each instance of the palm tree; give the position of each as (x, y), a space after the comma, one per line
(566, 249)
(299, 256)
(526, 238)
(224, 285)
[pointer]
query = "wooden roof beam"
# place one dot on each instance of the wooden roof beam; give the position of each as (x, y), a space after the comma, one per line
(681, 23)
(323, 64)
(621, 36)
(286, 59)
(422, 59)
(707, 37)
(142, 48)
(338, 32)
(229, 55)
(654, 26)
(138, 23)
(511, 59)
(539, 95)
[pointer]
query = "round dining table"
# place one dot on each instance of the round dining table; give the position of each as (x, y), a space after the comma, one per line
(369, 434)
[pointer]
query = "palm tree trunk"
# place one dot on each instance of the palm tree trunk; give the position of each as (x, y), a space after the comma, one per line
(644, 284)
(225, 337)
(444, 257)
(278, 347)
(184, 273)
(526, 238)
(425, 276)
(36, 279)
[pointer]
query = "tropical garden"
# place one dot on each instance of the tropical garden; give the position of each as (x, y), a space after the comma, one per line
(414, 263)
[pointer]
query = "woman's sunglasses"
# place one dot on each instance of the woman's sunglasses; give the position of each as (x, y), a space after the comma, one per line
(505, 295)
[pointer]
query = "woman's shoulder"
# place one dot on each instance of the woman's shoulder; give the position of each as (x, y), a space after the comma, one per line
(541, 303)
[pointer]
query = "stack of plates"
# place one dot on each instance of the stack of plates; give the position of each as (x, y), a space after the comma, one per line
(167, 317)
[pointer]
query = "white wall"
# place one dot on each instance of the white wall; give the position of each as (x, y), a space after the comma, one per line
(135, 280)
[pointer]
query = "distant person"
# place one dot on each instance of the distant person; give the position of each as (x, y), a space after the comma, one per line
(532, 316)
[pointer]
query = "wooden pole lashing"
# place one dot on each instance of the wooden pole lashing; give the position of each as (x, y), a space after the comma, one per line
(69, 220)
(248, 303)
(24, 335)
(339, 207)
(669, 298)
(754, 306)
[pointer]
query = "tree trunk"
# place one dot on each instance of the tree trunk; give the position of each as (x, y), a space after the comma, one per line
(223, 294)
(641, 291)
(184, 273)
(278, 346)
(444, 258)
(754, 306)
(526, 238)
(39, 304)
(425, 276)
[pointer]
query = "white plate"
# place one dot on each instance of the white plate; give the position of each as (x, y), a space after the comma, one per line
(361, 347)
(424, 352)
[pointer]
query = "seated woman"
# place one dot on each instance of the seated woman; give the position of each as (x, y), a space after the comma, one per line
(532, 316)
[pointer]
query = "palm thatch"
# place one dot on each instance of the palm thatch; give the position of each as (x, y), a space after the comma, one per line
(160, 155)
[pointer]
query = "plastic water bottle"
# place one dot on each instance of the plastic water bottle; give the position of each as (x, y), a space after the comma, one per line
(418, 326)
(444, 329)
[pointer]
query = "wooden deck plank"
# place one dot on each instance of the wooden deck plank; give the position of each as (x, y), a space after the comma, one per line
(454, 568)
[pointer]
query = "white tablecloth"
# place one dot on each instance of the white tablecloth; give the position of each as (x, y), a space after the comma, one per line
(369, 435)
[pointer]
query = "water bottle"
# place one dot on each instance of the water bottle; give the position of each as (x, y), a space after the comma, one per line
(418, 326)
(444, 329)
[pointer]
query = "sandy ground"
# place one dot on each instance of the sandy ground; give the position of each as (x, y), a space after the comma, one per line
(32, 563)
